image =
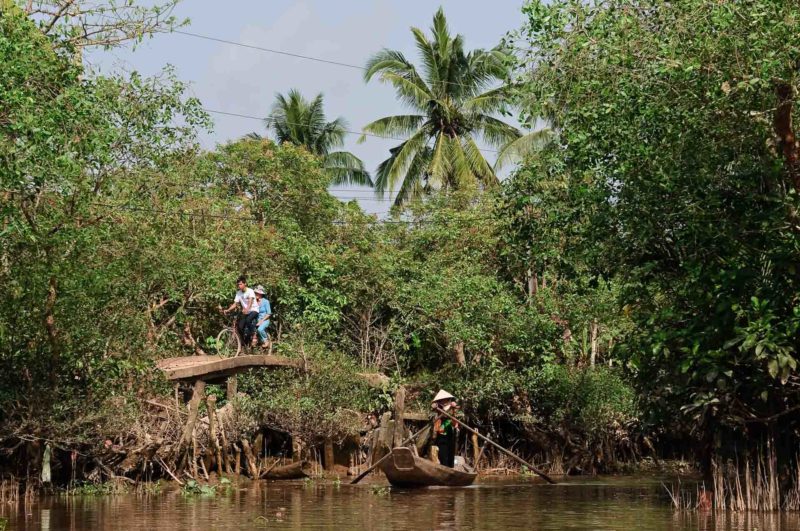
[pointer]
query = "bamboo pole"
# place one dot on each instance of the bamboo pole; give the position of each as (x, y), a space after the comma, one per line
(475, 450)
(507, 452)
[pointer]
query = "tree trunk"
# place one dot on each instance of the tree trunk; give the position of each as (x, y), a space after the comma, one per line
(297, 449)
(533, 285)
(211, 402)
(198, 394)
(52, 333)
(785, 132)
(459, 353)
(258, 448)
(296, 470)
(594, 342)
(231, 388)
(252, 469)
(226, 457)
(328, 454)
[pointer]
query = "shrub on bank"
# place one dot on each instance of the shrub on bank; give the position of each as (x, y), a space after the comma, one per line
(328, 402)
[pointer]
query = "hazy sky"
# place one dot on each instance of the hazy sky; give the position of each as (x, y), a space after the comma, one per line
(245, 81)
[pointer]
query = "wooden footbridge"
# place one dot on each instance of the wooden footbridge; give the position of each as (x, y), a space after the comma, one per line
(208, 368)
(199, 370)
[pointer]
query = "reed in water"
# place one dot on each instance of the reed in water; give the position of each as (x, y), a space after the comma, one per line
(752, 485)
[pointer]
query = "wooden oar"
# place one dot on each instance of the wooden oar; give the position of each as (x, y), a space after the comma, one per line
(488, 440)
(385, 457)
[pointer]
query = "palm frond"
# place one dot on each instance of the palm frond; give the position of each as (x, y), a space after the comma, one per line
(302, 122)
(441, 33)
(412, 92)
(491, 101)
(495, 132)
(461, 175)
(331, 135)
(395, 125)
(487, 65)
(387, 61)
(523, 146)
(440, 164)
(414, 185)
(478, 164)
(427, 55)
(391, 170)
(346, 168)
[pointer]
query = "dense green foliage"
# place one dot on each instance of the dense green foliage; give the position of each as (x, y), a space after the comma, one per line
(121, 239)
(679, 172)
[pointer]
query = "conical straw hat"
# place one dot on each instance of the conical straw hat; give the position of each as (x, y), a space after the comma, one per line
(441, 395)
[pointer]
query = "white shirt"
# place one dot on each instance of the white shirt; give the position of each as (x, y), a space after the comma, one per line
(246, 299)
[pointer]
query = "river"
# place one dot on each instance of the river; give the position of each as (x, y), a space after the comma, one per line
(618, 503)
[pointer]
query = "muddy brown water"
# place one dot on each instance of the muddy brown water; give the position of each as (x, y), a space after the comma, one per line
(618, 503)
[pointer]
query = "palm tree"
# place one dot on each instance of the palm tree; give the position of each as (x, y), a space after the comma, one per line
(453, 105)
(301, 122)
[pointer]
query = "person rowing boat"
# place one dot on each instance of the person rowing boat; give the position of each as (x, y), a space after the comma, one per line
(445, 430)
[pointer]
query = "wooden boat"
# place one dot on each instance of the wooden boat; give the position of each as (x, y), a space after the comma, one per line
(405, 469)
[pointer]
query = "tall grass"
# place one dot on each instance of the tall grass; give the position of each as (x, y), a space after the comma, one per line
(753, 485)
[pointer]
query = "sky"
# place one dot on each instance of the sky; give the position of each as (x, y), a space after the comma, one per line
(244, 81)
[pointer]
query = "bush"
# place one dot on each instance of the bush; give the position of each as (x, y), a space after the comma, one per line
(327, 402)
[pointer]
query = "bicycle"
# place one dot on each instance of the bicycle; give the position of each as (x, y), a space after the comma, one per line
(229, 344)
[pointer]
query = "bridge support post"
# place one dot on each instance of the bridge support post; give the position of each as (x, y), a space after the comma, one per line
(231, 388)
(198, 394)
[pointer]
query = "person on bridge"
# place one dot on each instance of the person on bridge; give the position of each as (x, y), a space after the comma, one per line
(264, 313)
(245, 299)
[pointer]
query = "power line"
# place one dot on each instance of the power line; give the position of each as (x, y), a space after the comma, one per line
(251, 117)
(295, 55)
(261, 49)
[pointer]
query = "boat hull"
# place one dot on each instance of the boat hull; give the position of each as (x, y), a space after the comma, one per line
(404, 469)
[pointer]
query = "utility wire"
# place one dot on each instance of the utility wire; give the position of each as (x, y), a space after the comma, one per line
(271, 120)
(293, 54)
(261, 49)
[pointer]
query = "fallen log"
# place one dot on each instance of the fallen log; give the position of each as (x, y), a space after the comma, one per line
(136, 456)
(296, 470)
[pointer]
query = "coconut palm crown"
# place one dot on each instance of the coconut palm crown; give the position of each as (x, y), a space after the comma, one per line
(302, 122)
(453, 97)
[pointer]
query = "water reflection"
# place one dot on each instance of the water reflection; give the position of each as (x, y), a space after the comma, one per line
(616, 503)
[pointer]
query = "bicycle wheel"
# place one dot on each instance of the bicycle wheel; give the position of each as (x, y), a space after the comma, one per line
(228, 343)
